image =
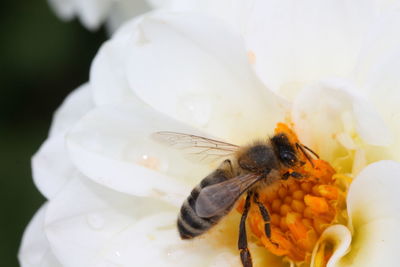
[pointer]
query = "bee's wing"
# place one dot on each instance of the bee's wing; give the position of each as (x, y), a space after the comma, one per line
(219, 198)
(197, 147)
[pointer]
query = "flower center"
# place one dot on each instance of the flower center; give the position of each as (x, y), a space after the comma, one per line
(300, 209)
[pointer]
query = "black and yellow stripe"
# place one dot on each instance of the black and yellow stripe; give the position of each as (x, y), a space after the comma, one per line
(189, 223)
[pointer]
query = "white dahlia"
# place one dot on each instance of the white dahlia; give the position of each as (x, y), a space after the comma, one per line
(331, 70)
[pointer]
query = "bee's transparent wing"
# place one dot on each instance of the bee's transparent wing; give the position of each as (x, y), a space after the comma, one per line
(218, 198)
(197, 147)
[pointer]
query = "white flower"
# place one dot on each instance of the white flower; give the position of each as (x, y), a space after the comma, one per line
(114, 195)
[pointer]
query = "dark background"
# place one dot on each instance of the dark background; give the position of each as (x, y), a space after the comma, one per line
(42, 59)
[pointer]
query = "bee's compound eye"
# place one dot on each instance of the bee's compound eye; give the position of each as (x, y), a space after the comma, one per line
(288, 157)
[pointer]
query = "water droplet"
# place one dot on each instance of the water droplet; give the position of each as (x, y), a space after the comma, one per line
(95, 221)
(196, 109)
(152, 163)
(174, 253)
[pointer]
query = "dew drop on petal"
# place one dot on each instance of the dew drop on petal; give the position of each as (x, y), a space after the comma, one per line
(152, 163)
(174, 253)
(95, 221)
(251, 57)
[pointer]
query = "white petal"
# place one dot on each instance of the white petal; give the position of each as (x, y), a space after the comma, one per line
(298, 42)
(374, 193)
(83, 219)
(378, 75)
(194, 69)
(123, 10)
(107, 75)
(337, 236)
(63, 9)
(89, 225)
(374, 244)
(51, 166)
(384, 91)
(35, 249)
(154, 241)
(92, 12)
(234, 12)
(75, 105)
(380, 45)
(160, 3)
(113, 144)
(328, 115)
(374, 209)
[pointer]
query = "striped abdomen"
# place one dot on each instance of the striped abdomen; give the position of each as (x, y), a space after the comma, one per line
(189, 223)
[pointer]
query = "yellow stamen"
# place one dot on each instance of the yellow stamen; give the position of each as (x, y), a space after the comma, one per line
(300, 209)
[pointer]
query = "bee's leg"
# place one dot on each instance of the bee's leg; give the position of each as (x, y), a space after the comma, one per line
(296, 175)
(265, 214)
(226, 165)
(242, 244)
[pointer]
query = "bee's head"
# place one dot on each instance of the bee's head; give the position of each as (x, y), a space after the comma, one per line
(258, 158)
(284, 150)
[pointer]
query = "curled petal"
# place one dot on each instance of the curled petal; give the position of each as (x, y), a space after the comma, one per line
(338, 238)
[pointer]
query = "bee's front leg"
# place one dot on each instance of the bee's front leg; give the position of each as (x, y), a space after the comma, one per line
(296, 175)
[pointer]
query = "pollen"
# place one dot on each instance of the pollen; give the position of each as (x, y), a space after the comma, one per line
(300, 209)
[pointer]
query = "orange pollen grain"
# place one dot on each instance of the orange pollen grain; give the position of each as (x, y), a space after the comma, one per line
(300, 209)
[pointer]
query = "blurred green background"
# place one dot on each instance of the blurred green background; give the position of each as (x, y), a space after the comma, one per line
(42, 60)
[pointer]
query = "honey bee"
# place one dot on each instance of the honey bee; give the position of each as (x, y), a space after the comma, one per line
(247, 169)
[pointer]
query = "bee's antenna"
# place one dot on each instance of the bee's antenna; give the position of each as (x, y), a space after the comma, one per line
(309, 149)
(303, 149)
